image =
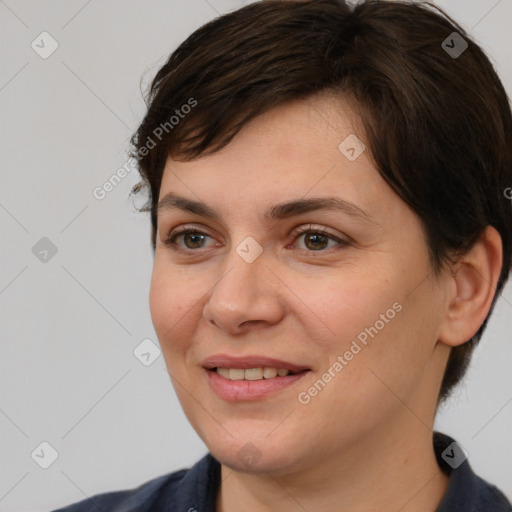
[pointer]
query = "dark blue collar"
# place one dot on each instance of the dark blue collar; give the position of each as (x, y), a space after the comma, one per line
(466, 491)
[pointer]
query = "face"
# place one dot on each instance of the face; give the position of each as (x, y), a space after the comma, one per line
(341, 294)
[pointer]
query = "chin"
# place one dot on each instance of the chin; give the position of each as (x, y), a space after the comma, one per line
(253, 454)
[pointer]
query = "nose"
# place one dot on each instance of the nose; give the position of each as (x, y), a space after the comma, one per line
(244, 296)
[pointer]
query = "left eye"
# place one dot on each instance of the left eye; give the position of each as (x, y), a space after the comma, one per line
(315, 239)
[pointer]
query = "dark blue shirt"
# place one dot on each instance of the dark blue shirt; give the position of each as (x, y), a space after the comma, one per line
(195, 489)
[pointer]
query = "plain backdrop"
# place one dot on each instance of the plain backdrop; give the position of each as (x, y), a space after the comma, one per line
(75, 270)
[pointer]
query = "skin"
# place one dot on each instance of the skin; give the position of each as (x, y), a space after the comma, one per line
(371, 426)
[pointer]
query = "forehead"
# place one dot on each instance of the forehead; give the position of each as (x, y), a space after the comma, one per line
(293, 135)
(320, 121)
(294, 151)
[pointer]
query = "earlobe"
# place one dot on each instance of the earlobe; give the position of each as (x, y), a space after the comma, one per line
(475, 277)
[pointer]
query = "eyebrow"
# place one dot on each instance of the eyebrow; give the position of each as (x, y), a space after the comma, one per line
(284, 210)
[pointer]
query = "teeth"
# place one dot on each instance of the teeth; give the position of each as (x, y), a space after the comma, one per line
(223, 372)
(252, 373)
(268, 373)
(236, 374)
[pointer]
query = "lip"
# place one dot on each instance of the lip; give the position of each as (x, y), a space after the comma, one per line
(249, 390)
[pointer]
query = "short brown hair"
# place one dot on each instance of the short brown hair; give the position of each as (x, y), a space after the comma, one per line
(438, 125)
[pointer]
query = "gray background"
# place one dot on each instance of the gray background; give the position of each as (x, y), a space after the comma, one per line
(69, 325)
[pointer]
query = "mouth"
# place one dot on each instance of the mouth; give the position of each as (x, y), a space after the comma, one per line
(260, 373)
(250, 378)
(252, 363)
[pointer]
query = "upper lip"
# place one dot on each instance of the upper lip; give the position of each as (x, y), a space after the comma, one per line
(225, 361)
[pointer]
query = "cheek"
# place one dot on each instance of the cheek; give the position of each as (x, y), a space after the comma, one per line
(393, 352)
(171, 303)
(372, 325)
(353, 304)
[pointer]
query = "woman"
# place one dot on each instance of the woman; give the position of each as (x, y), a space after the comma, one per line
(331, 229)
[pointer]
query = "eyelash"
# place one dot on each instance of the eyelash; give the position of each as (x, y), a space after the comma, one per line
(170, 241)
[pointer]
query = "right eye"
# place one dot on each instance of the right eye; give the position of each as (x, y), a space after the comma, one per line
(192, 238)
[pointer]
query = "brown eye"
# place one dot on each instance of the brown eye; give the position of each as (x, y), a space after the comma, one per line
(317, 240)
(192, 238)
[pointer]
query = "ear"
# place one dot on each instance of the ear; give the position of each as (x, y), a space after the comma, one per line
(473, 284)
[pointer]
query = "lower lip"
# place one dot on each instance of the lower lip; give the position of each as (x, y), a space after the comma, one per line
(246, 390)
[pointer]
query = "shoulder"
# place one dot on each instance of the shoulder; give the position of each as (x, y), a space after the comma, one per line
(179, 488)
(467, 492)
(138, 499)
(475, 495)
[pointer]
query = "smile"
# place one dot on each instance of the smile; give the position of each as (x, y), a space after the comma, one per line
(251, 384)
(252, 373)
